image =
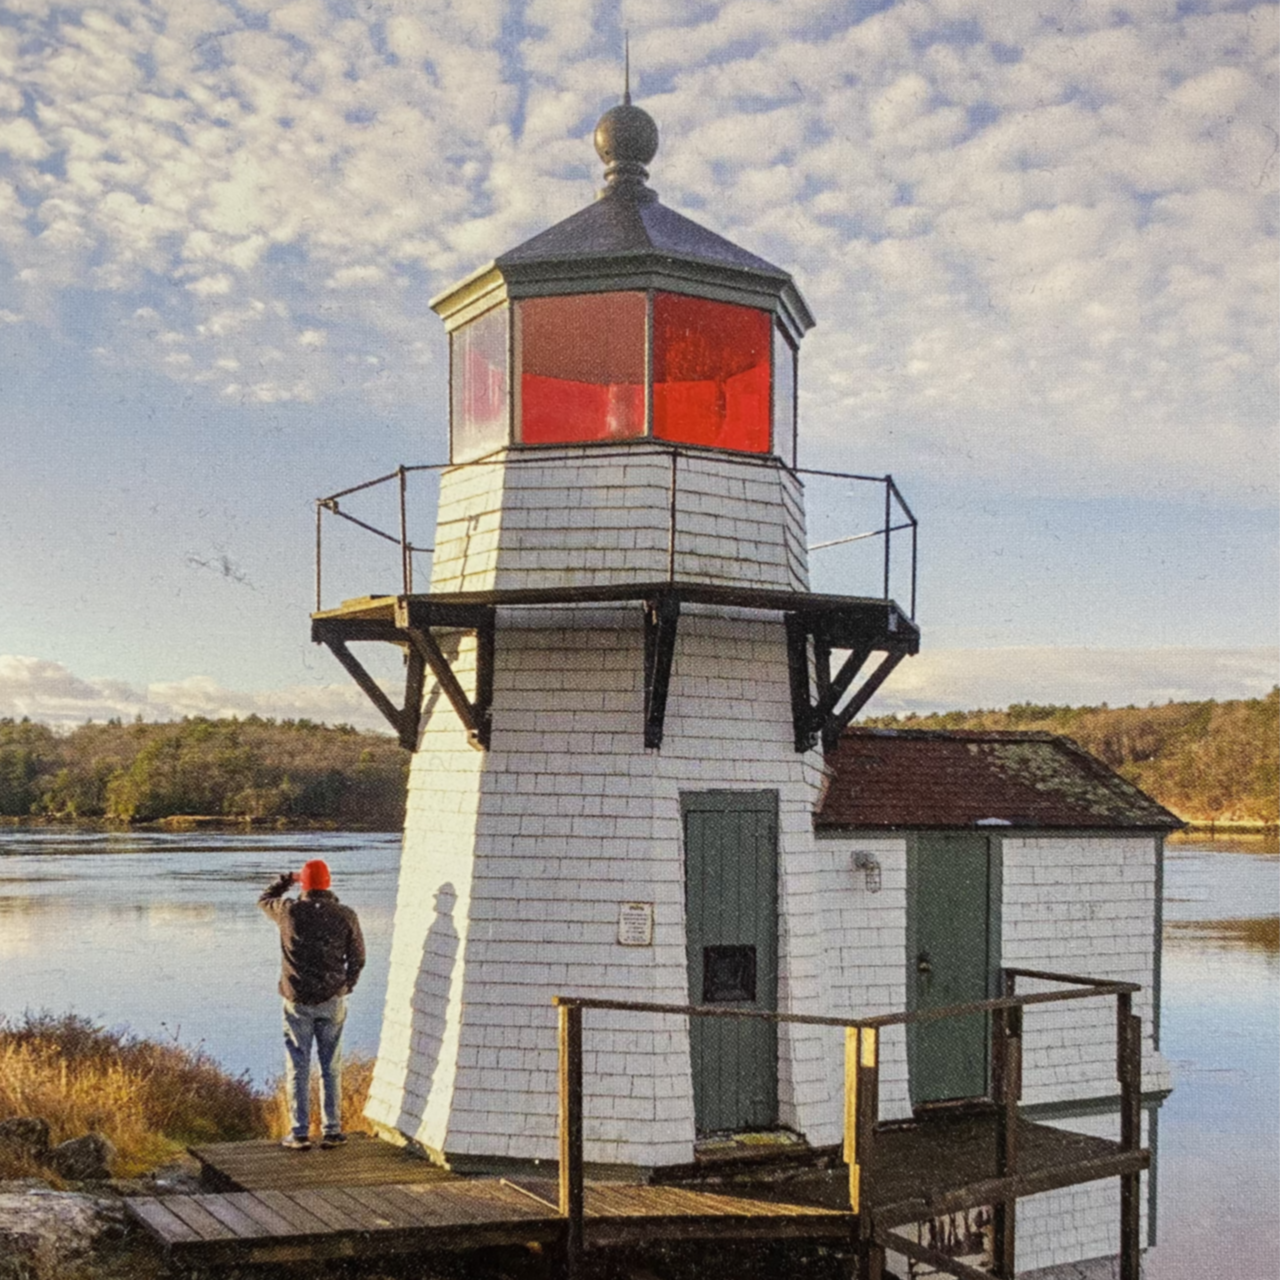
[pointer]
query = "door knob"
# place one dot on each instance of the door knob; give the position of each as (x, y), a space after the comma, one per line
(922, 964)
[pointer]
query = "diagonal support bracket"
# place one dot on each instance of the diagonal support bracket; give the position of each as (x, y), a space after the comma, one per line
(814, 711)
(404, 720)
(411, 630)
(415, 620)
(661, 619)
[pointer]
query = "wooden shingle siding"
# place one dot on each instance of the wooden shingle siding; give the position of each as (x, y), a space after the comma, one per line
(565, 517)
(536, 844)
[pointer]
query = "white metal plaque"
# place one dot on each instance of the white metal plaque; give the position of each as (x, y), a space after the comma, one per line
(635, 924)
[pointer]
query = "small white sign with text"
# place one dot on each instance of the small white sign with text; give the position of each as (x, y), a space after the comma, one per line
(635, 924)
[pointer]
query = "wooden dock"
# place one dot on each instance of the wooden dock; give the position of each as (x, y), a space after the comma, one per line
(370, 1198)
(367, 1221)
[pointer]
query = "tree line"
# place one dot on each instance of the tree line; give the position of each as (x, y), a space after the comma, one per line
(254, 769)
(1209, 762)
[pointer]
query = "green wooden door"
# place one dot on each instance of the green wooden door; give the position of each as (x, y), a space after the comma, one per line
(952, 939)
(731, 897)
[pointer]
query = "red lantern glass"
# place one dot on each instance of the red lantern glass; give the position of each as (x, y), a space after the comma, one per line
(581, 361)
(711, 373)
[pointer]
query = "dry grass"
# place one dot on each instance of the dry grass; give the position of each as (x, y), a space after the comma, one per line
(148, 1099)
(357, 1072)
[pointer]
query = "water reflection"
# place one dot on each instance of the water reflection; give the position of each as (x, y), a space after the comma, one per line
(157, 931)
(1256, 933)
(1220, 1129)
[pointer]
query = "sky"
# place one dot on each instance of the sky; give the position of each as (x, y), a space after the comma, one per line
(1040, 242)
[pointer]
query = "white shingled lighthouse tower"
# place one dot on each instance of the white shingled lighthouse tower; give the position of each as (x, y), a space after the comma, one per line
(619, 689)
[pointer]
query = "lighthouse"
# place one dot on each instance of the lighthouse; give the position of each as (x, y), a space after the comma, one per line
(619, 689)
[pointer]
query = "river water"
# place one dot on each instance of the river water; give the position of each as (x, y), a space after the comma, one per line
(159, 933)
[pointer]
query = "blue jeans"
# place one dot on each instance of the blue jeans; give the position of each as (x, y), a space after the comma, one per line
(322, 1023)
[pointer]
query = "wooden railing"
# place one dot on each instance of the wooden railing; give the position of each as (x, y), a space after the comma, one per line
(861, 1110)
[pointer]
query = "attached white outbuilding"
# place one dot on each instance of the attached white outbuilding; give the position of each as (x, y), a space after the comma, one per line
(948, 856)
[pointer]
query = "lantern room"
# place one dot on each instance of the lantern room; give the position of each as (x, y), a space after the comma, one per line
(625, 322)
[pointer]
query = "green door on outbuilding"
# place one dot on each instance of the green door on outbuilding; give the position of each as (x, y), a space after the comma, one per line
(952, 953)
(731, 899)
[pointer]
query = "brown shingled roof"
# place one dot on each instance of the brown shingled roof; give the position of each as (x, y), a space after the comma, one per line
(931, 778)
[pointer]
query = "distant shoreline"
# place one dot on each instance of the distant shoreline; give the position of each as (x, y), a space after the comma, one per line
(218, 822)
(192, 822)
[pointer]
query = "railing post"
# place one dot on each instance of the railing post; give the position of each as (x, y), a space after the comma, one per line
(1007, 1088)
(862, 1108)
(319, 518)
(1129, 1073)
(571, 1179)
(914, 558)
(851, 1115)
(888, 536)
(406, 556)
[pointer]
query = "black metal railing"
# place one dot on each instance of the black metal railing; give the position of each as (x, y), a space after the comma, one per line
(898, 517)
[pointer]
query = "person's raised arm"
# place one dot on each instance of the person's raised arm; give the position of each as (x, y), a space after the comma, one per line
(272, 899)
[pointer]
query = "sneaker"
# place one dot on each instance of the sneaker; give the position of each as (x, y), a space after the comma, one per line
(333, 1140)
(295, 1144)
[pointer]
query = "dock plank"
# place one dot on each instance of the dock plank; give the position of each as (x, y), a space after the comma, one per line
(351, 1211)
(302, 1222)
(199, 1219)
(316, 1201)
(163, 1223)
(389, 1212)
(233, 1216)
(276, 1223)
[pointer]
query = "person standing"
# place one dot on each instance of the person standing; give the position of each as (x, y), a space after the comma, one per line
(321, 956)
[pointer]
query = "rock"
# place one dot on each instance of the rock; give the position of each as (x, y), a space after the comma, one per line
(85, 1159)
(25, 1136)
(45, 1234)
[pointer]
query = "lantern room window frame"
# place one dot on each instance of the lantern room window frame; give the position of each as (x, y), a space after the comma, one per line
(783, 420)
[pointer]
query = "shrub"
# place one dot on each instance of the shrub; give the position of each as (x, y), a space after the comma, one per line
(148, 1099)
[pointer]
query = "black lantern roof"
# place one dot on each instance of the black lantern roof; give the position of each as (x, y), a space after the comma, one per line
(628, 239)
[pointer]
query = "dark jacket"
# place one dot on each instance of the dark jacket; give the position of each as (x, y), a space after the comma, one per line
(321, 946)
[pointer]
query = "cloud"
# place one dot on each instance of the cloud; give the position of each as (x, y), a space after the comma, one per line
(967, 679)
(935, 680)
(1037, 243)
(49, 692)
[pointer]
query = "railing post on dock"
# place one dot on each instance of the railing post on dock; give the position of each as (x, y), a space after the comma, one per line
(1007, 1088)
(1129, 1073)
(862, 1111)
(571, 1179)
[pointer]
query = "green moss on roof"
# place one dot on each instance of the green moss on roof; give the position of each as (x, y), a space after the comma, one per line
(1055, 767)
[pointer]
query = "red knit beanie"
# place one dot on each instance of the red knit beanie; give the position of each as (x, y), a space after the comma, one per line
(314, 875)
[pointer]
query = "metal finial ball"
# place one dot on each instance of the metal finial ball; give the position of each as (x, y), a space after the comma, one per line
(626, 135)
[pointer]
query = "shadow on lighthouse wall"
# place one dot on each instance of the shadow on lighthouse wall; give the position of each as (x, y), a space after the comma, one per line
(430, 1005)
